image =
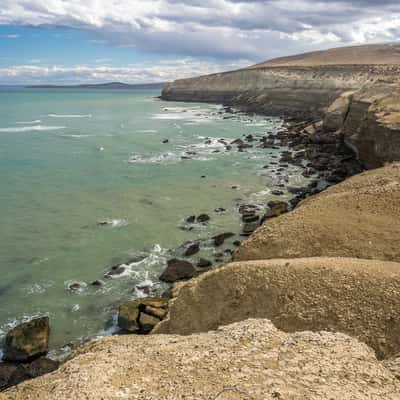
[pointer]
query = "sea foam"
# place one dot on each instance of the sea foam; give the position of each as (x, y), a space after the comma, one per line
(34, 128)
(69, 115)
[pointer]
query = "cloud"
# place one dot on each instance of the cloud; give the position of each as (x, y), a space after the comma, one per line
(138, 73)
(11, 36)
(230, 29)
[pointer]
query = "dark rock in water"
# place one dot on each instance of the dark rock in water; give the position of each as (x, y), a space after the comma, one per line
(178, 270)
(13, 373)
(97, 282)
(141, 315)
(73, 287)
(115, 271)
(237, 243)
(203, 263)
(249, 228)
(277, 192)
(234, 187)
(294, 190)
(250, 218)
(203, 176)
(191, 219)
(248, 209)
(220, 239)
(185, 228)
(276, 208)
(165, 141)
(192, 249)
(220, 210)
(203, 218)
(27, 341)
(228, 148)
(238, 142)
(250, 138)
(185, 158)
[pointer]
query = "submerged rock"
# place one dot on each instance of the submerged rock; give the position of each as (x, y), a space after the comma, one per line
(220, 239)
(191, 249)
(203, 218)
(27, 341)
(178, 270)
(203, 263)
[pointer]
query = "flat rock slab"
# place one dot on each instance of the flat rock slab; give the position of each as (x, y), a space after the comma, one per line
(246, 360)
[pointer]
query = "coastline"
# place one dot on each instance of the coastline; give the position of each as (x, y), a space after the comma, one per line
(321, 140)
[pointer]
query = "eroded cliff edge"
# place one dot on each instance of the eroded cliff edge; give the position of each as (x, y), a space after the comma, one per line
(369, 120)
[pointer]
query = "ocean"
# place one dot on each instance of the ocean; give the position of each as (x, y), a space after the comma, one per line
(94, 178)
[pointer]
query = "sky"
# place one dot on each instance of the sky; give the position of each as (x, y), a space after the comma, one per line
(141, 41)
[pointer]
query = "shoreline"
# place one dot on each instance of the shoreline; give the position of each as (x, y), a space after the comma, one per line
(320, 157)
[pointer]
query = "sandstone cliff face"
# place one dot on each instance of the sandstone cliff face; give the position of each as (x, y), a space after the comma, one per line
(369, 118)
(282, 90)
(246, 360)
(356, 218)
(372, 124)
(357, 297)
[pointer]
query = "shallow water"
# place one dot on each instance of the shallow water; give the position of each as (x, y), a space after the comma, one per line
(70, 159)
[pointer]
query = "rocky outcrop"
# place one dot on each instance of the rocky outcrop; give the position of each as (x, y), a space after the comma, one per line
(357, 297)
(13, 373)
(356, 218)
(142, 315)
(27, 341)
(372, 124)
(246, 360)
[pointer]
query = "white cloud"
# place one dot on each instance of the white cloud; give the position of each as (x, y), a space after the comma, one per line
(142, 73)
(11, 36)
(253, 29)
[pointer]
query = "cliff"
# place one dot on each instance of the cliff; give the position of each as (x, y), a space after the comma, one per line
(246, 360)
(305, 86)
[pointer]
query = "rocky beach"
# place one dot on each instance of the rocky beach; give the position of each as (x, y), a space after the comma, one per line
(303, 301)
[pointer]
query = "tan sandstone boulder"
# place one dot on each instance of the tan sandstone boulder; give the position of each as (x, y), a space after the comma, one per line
(356, 218)
(247, 360)
(357, 297)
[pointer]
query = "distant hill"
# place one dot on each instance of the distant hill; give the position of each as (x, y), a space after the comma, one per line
(109, 85)
(356, 55)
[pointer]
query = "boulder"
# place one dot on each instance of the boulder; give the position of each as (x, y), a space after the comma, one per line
(141, 315)
(27, 341)
(220, 239)
(13, 373)
(128, 315)
(203, 263)
(246, 360)
(276, 208)
(191, 249)
(178, 270)
(249, 228)
(358, 297)
(147, 322)
(203, 218)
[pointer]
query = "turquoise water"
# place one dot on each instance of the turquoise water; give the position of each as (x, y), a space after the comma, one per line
(70, 159)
